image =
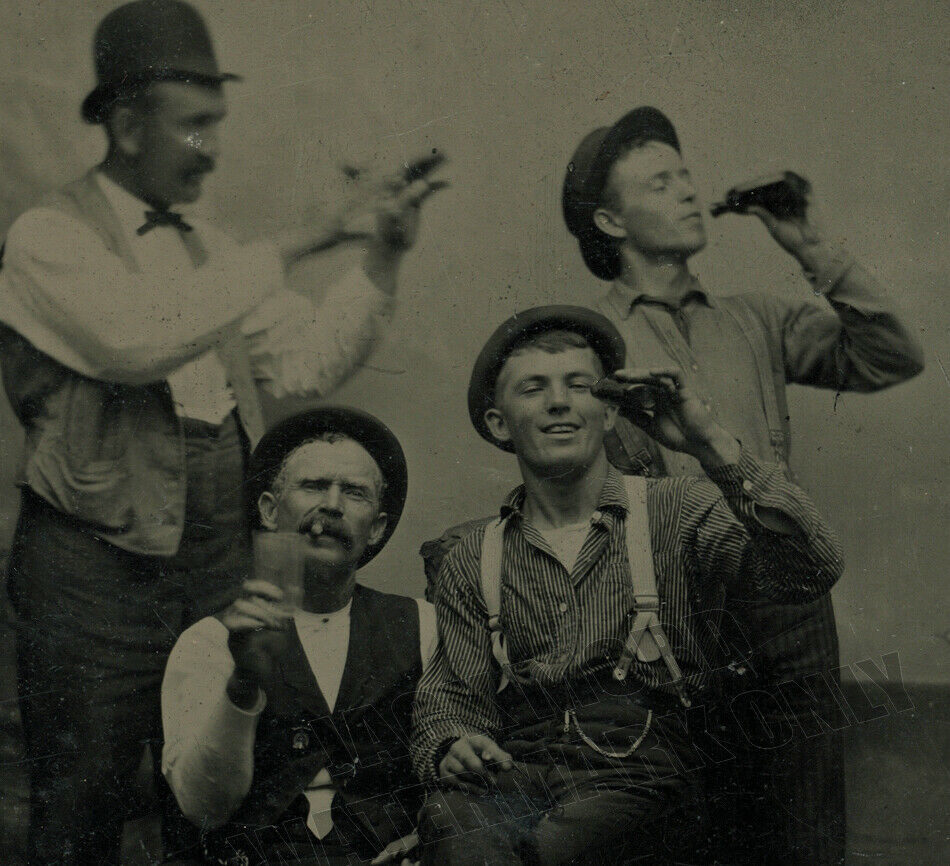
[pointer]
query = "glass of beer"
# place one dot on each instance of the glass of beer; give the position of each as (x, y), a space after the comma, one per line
(279, 559)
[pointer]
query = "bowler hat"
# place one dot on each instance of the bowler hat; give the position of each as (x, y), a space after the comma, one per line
(369, 431)
(587, 174)
(149, 40)
(602, 336)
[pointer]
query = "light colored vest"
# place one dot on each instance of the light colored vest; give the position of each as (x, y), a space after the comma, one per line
(110, 455)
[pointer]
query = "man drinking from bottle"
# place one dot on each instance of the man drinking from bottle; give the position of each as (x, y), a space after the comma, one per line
(629, 200)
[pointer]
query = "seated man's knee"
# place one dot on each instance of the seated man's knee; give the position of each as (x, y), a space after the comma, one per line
(456, 811)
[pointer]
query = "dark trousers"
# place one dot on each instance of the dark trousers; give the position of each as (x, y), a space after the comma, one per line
(289, 843)
(565, 803)
(782, 799)
(95, 627)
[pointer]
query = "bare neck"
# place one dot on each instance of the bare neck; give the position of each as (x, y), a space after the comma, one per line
(327, 590)
(561, 500)
(662, 277)
(121, 172)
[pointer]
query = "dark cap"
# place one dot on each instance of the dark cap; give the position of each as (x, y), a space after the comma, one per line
(587, 174)
(602, 336)
(369, 431)
(149, 40)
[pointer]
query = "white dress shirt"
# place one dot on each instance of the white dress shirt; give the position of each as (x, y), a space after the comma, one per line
(199, 387)
(63, 290)
(208, 756)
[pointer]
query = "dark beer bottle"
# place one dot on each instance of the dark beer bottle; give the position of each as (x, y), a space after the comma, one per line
(784, 195)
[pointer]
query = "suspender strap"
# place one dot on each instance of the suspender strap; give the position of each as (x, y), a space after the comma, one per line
(490, 576)
(641, 458)
(646, 640)
(233, 355)
(751, 329)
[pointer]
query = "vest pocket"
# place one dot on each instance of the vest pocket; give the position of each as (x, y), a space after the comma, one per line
(95, 426)
(94, 443)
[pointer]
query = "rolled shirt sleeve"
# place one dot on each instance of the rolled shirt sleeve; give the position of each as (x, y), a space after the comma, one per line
(861, 343)
(208, 756)
(790, 553)
(299, 348)
(82, 305)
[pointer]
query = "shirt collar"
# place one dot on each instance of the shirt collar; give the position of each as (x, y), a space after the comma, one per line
(307, 620)
(612, 495)
(624, 299)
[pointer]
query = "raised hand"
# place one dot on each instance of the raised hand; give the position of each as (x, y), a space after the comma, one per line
(795, 235)
(385, 209)
(382, 211)
(672, 413)
(257, 634)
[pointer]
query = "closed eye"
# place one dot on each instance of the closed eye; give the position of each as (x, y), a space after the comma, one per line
(358, 493)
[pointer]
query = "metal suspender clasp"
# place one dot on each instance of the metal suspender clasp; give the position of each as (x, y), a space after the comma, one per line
(647, 641)
(641, 639)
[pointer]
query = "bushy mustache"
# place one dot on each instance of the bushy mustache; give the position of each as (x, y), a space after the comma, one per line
(329, 527)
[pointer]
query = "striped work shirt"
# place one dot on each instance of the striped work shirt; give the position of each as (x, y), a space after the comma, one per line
(706, 538)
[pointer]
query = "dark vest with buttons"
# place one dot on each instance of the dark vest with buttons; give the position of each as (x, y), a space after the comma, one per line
(363, 743)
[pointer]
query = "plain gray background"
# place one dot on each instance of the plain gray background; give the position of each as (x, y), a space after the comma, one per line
(851, 94)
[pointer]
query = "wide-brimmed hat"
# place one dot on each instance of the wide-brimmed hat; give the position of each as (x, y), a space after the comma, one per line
(587, 174)
(149, 40)
(369, 431)
(602, 336)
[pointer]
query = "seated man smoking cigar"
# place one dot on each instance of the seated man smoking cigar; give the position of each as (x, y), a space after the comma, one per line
(287, 714)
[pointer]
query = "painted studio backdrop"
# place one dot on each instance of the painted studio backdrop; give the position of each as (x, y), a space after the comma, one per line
(848, 94)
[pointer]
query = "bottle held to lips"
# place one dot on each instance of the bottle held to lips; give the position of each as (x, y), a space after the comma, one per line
(784, 195)
(279, 559)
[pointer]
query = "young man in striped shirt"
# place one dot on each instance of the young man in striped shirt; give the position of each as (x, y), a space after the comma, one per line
(551, 713)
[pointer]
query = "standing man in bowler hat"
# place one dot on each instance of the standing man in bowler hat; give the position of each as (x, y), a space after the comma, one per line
(133, 343)
(629, 200)
(287, 731)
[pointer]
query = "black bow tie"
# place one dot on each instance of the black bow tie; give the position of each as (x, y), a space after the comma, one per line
(155, 218)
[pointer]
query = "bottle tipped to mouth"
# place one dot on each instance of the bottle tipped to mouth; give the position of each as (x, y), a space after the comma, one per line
(784, 195)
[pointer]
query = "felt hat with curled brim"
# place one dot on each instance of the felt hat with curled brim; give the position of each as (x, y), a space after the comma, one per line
(289, 434)
(601, 335)
(149, 40)
(587, 174)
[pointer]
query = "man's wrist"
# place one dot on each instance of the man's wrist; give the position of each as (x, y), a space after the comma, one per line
(381, 264)
(243, 689)
(719, 449)
(441, 750)
(815, 256)
(296, 244)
